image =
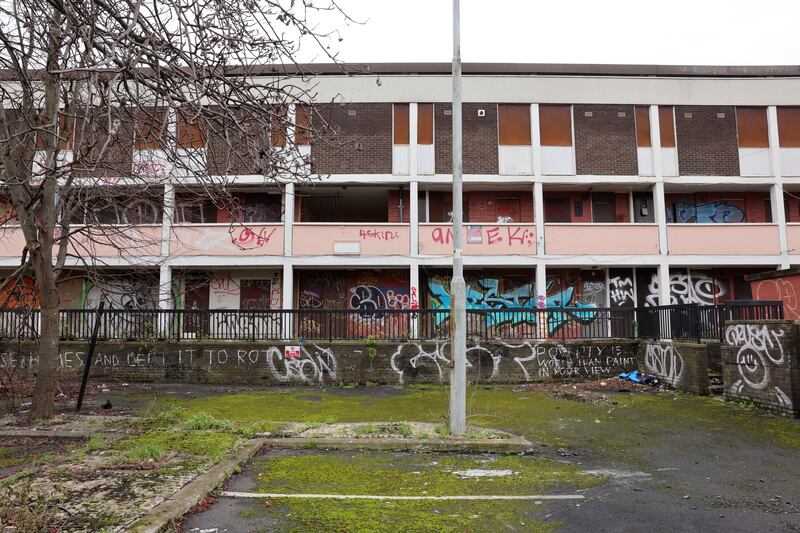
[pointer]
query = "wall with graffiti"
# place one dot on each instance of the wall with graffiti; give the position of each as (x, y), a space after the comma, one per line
(509, 297)
(718, 208)
(782, 285)
(374, 293)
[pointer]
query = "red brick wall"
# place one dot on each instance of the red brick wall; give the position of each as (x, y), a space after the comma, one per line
(605, 143)
(352, 144)
(480, 139)
(707, 145)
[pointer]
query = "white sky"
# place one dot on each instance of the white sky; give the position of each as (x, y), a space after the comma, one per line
(691, 32)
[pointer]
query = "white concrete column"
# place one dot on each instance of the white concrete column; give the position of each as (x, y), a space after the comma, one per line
(287, 290)
(414, 299)
(288, 218)
(167, 218)
(413, 216)
(663, 284)
(538, 217)
(165, 300)
(413, 123)
(536, 141)
(661, 217)
(541, 284)
(655, 142)
(776, 194)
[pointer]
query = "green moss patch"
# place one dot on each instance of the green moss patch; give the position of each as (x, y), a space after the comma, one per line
(417, 474)
(396, 516)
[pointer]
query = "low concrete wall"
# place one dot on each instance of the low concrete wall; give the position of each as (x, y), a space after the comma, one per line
(379, 362)
(760, 364)
(683, 365)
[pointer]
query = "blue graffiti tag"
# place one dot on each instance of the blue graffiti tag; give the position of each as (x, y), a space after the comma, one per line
(520, 303)
(707, 213)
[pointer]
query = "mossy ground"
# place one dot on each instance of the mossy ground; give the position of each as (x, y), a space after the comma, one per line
(621, 430)
(406, 474)
(611, 428)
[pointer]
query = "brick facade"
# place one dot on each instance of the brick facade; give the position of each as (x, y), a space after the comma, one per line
(605, 142)
(353, 139)
(708, 144)
(480, 138)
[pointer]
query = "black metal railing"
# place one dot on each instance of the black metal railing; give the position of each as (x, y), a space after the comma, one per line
(679, 322)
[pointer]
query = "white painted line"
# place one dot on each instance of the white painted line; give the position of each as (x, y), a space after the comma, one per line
(234, 494)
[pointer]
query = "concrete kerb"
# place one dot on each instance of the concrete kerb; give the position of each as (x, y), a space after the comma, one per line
(511, 445)
(193, 492)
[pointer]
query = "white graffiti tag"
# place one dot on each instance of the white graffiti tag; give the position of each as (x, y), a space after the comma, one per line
(760, 348)
(413, 356)
(550, 359)
(664, 361)
(307, 368)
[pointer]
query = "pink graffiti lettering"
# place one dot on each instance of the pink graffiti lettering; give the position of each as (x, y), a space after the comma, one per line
(249, 237)
(378, 235)
(414, 301)
(493, 235)
(442, 237)
(520, 236)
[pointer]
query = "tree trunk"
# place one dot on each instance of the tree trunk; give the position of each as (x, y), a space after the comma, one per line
(45, 386)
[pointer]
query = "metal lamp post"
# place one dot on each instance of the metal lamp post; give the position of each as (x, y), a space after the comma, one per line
(458, 297)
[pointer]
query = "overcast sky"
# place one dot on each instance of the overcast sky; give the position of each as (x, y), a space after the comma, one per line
(734, 32)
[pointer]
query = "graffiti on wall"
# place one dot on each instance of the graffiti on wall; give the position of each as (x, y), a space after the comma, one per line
(20, 293)
(485, 294)
(783, 289)
(665, 362)
(500, 236)
(308, 367)
(692, 288)
(705, 213)
(760, 350)
(414, 358)
(547, 361)
(327, 363)
(620, 290)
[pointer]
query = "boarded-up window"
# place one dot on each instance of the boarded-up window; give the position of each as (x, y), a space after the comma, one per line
(255, 294)
(424, 123)
(401, 124)
(514, 124)
(302, 122)
(150, 128)
(751, 124)
(191, 134)
(789, 127)
(642, 113)
(666, 126)
(278, 126)
(555, 125)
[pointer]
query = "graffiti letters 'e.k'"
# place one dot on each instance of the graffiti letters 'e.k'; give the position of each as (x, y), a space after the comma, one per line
(520, 303)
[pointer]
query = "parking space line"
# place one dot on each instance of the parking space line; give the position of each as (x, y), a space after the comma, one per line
(234, 494)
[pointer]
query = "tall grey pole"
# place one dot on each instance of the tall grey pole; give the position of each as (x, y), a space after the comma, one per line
(458, 296)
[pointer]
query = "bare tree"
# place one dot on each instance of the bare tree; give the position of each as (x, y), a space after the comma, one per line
(104, 103)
